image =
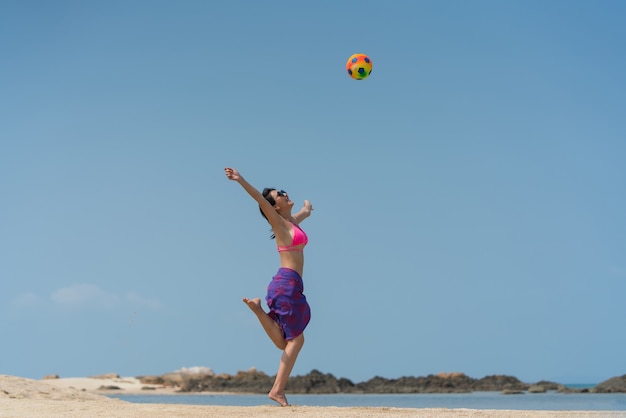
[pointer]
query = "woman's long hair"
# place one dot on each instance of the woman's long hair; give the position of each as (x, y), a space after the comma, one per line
(266, 194)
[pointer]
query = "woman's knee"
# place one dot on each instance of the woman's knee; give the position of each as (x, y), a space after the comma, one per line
(298, 341)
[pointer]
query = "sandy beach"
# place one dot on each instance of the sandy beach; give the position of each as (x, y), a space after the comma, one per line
(82, 397)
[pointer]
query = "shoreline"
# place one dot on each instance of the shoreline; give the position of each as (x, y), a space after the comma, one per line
(80, 397)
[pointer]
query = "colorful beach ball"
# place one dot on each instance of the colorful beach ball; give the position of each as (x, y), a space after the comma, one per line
(359, 66)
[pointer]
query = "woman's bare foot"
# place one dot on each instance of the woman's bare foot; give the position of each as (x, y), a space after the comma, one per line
(254, 304)
(278, 397)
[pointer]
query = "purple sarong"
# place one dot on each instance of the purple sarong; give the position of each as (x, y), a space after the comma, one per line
(287, 303)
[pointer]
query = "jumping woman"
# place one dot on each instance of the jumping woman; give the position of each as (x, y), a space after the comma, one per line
(289, 311)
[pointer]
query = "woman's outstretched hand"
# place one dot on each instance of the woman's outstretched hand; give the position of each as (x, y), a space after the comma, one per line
(305, 212)
(232, 174)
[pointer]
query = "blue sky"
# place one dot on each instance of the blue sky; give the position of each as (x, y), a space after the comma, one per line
(469, 195)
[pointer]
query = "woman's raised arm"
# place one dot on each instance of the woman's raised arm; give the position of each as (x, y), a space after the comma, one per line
(303, 213)
(272, 216)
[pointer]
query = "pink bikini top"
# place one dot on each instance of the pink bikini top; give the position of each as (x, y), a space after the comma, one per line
(299, 238)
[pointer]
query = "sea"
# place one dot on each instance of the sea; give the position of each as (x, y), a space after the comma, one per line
(549, 401)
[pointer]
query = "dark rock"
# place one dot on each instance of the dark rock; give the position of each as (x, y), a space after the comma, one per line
(612, 385)
(547, 385)
(151, 380)
(453, 383)
(316, 382)
(512, 392)
(499, 382)
(243, 382)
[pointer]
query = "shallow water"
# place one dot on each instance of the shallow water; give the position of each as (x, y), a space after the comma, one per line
(551, 401)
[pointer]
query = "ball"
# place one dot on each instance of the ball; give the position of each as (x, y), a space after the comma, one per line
(359, 66)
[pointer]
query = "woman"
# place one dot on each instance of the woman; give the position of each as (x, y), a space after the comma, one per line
(289, 311)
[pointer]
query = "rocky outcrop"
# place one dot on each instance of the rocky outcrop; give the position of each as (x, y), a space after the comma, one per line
(152, 380)
(547, 385)
(452, 383)
(612, 385)
(251, 381)
(512, 392)
(537, 389)
(499, 382)
(316, 382)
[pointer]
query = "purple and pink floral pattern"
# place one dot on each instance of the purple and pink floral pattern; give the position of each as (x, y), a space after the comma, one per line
(287, 303)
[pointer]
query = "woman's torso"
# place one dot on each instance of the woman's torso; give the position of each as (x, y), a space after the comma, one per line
(291, 253)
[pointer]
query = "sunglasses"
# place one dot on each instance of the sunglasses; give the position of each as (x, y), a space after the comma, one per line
(281, 193)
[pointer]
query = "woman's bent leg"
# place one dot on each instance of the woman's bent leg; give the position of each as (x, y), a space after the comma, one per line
(270, 326)
(287, 361)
